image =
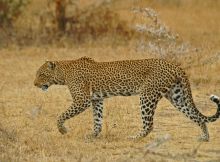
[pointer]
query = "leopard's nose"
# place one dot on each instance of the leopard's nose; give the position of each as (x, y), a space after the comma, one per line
(35, 83)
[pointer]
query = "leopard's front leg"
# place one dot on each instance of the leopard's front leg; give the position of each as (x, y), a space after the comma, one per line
(81, 101)
(97, 115)
(72, 111)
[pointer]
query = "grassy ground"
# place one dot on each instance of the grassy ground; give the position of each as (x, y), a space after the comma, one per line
(28, 116)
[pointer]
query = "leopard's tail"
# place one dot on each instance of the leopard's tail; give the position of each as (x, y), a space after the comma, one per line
(217, 114)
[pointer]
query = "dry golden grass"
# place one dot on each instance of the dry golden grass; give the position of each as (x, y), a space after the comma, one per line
(28, 116)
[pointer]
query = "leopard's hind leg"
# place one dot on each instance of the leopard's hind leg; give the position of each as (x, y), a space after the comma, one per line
(180, 96)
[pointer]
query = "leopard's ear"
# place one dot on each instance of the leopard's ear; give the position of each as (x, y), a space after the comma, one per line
(51, 65)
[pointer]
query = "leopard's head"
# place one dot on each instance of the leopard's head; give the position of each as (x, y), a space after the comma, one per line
(47, 76)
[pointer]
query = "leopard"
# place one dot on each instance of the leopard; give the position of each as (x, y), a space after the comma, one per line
(90, 82)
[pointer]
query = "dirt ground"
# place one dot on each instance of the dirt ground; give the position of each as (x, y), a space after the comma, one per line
(28, 115)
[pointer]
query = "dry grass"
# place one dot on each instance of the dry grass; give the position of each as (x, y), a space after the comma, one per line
(28, 116)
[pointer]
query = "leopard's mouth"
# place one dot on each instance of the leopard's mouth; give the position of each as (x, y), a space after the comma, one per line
(44, 87)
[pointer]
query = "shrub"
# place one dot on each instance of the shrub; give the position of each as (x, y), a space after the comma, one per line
(10, 10)
(91, 22)
(97, 21)
(158, 38)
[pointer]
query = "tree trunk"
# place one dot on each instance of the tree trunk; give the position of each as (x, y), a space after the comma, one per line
(61, 15)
